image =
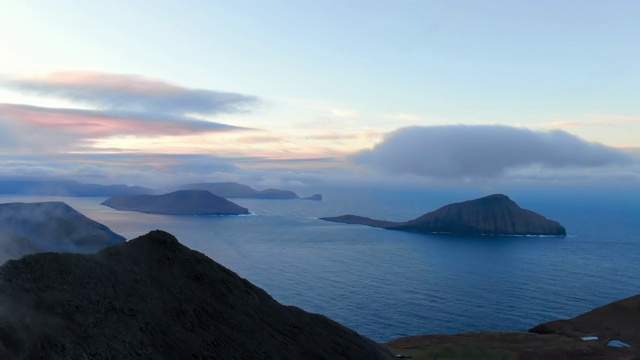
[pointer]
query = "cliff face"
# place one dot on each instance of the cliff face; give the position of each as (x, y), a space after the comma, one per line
(183, 202)
(490, 215)
(153, 298)
(50, 226)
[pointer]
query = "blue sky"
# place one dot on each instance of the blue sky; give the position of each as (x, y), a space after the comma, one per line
(324, 82)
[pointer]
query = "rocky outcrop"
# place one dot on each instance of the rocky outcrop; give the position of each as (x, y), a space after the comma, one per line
(490, 215)
(153, 298)
(183, 202)
(235, 190)
(50, 226)
(314, 197)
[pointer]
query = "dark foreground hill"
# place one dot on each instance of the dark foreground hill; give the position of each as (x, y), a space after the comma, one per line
(183, 202)
(490, 215)
(49, 226)
(153, 298)
(589, 336)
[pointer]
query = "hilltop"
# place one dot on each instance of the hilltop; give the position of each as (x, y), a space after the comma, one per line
(154, 298)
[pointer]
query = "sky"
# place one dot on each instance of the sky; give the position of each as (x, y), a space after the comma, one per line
(300, 93)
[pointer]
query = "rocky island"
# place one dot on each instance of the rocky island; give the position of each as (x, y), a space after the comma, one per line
(153, 298)
(182, 202)
(27, 228)
(490, 215)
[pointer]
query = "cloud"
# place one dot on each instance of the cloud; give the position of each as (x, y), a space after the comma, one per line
(482, 151)
(98, 123)
(131, 93)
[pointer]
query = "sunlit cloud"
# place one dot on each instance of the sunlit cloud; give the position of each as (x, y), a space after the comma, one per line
(94, 123)
(130, 93)
(483, 151)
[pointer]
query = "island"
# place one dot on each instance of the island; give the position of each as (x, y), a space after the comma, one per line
(490, 215)
(182, 202)
(27, 228)
(236, 190)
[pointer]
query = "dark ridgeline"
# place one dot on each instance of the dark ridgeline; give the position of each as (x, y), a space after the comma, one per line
(154, 298)
(26, 228)
(490, 215)
(182, 202)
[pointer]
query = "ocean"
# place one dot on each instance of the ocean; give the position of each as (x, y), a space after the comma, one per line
(386, 284)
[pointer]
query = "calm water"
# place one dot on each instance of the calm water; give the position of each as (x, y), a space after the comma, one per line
(386, 284)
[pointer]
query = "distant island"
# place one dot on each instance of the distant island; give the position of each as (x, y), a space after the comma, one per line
(182, 202)
(490, 215)
(66, 188)
(55, 187)
(236, 190)
(27, 228)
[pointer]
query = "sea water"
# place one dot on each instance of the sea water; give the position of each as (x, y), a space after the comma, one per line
(385, 284)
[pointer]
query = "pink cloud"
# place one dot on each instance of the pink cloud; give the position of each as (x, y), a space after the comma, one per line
(95, 124)
(131, 93)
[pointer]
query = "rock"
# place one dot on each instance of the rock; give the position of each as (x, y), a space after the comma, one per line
(490, 215)
(314, 197)
(183, 202)
(153, 298)
(50, 226)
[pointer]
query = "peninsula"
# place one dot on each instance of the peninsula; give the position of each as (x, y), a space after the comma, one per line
(182, 202)
(490, 215)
